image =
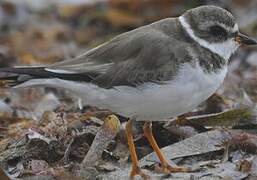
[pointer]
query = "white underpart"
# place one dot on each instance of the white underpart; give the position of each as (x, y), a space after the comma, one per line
(224, 49)
(149, 101)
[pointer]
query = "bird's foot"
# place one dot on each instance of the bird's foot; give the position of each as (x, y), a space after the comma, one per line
(166, 169)
(138, 171)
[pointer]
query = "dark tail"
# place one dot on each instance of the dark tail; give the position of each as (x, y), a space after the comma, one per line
(13, 76)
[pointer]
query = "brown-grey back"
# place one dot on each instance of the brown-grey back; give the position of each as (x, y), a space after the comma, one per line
(152, 53)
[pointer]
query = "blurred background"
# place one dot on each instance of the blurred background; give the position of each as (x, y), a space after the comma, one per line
(34, 32)
(45, 31)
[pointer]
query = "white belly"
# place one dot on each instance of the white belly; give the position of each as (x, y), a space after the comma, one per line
(176, 97)
(149, 101)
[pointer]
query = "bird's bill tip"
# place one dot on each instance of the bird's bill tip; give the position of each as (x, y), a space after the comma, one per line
(245, 40)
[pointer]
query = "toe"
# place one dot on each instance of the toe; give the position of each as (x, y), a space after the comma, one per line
(178, 169)
(137, 171)
(172, 169)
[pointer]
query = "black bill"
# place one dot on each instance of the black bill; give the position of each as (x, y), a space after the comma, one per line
(245, 40)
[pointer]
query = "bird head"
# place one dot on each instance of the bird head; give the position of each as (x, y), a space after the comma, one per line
(214, 28)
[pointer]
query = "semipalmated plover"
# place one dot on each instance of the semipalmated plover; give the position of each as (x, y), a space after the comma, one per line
(152, 73)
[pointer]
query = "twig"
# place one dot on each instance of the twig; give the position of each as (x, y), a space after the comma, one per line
(67, 152)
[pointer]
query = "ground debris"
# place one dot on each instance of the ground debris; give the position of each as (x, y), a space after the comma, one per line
(102, 139)
(204, 152)
(230, 118)
(199, 144)
(47, 133)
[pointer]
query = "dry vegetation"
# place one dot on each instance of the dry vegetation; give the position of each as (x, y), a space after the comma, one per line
(45, 135)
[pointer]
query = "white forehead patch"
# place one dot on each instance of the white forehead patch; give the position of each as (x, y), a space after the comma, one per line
(224, 49)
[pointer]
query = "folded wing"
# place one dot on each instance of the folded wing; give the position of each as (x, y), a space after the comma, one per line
(142, 55)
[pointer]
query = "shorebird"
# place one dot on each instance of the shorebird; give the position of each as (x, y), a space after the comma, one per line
(152, 73)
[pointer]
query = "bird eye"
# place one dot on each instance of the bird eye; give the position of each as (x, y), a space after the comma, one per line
(218, 31)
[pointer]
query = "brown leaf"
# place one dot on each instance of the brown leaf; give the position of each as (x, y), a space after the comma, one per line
(103, 137)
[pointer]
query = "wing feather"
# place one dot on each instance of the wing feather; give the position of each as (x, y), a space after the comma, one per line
(146, 54)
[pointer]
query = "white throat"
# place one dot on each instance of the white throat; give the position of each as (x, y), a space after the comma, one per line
(224, 49)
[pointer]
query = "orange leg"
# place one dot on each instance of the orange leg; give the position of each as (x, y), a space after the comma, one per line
(166, 167)
(135, 167)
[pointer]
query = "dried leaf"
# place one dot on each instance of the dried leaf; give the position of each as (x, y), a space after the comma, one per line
(35, 135)
(229, 118)
(199, 144)
(38, 166)
(104, 136)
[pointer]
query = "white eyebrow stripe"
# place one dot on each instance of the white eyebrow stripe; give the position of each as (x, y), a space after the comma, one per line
(234, 29)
